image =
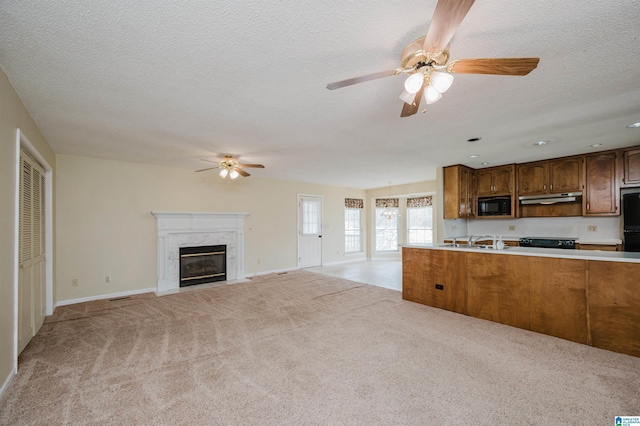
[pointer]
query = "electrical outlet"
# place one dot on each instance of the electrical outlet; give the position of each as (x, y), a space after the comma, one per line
(592, 228)
(74, 282)
(512, 228)
(107, 279)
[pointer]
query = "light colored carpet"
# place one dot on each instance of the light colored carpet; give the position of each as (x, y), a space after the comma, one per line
(305, 348)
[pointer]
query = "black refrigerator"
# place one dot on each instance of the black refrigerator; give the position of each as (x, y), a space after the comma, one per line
(631, 220)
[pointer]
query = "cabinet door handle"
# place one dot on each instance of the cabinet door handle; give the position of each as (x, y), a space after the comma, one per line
(588, 206)
(544, 186)
(551, 187)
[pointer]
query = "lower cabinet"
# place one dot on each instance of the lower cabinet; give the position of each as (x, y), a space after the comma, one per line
(585, 301)
(497, 290)
(558, 297)
(614, 306)
(427, 278)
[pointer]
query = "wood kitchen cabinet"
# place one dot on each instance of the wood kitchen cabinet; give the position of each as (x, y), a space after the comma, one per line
(614, 312)
(558, 297)
(593, 302)
(551, 177)
(631, 167)
(601, 196)
(497, 288)
(458, 192)
(495, 181)
(429, 278)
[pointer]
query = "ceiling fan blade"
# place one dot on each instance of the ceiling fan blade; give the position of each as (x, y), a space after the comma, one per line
(210, 161)
(446, 19)
(257, 166)
(410, 109)
(204, 170)
(362, 79)
(242, 172)
(497, 66)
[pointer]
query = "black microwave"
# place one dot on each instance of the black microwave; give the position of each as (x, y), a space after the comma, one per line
(494, 206)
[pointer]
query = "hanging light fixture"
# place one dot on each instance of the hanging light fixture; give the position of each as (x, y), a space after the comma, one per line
(390, 212)
(233, 174)
(223, 173)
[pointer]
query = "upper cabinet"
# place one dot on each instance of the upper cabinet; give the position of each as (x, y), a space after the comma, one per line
(631, 166)
(602, 195)
(495, 181)
(551, 177)
(458, 192)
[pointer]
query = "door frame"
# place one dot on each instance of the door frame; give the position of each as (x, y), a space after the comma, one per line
(23, 143)
(299, 199)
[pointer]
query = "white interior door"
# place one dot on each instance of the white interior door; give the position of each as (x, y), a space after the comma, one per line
(31, 251)
(309, 231)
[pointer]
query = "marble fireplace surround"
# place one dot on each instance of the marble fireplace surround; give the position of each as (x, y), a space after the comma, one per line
(184, 229)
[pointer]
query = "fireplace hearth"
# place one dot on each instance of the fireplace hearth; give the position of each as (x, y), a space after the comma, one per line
(204, 264)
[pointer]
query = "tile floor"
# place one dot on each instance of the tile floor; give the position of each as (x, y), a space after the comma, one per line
(381, 273)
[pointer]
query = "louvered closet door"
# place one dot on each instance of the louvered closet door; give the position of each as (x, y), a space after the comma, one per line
(31, 254)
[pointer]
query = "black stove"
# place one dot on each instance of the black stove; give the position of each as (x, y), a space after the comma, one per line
(545, 242)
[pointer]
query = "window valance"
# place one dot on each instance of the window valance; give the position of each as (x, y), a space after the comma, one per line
(354, 203)
(387, 202)
(420, 201)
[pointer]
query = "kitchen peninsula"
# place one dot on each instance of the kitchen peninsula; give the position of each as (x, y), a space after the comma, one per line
(589, 297)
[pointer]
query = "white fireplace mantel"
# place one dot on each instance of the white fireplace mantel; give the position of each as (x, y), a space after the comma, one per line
(183, 229)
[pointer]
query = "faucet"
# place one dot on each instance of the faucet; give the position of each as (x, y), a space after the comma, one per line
(473, 240)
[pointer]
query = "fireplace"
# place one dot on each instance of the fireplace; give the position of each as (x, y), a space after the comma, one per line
(196, 229)
(205, 264)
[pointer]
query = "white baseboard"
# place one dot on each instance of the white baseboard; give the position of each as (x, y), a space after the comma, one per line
(351, 260)
(275, 271)
(106, 296)
(7, 381)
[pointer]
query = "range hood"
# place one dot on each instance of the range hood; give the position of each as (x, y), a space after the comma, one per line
(567, 197)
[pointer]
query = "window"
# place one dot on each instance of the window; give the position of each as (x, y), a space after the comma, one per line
(420, 225)
(352, 231)
(419, 220)
(386, 230)
(310, 217)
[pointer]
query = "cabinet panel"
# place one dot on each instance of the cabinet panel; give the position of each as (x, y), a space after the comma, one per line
(614, 306)
(565, 175)
(632, 167)
(558, 297)
(484, 182)
(434, 278)
(458, 192)
(497, 290)
(532, 178)
(601, 197)
(503, 180)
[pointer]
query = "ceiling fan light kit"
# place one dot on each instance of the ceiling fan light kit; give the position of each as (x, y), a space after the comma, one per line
(426, 61)
(229, 167)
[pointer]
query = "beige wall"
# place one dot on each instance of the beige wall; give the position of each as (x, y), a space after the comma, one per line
(13, 115)
(105, 227)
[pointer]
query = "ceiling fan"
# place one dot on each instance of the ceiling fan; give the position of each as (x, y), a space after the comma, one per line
(426, 61)
(229, 166)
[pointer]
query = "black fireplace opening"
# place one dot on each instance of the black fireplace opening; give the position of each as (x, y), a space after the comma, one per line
(205, 264)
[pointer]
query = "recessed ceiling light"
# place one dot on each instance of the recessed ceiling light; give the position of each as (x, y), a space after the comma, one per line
(634, 125)
(473, 139)
(540, 143)
(595, 145)
(474, 156)
(484, 163)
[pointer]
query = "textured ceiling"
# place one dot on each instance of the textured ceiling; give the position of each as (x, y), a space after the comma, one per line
(165, 82)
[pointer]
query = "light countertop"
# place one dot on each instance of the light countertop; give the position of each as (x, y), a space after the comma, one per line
(611, 256)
